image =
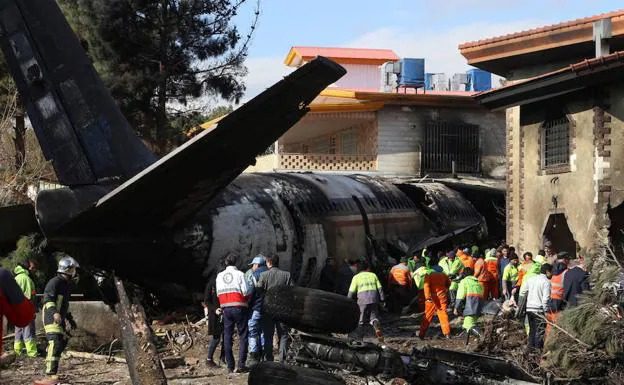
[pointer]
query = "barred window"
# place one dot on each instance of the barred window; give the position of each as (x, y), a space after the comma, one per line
(556, 143)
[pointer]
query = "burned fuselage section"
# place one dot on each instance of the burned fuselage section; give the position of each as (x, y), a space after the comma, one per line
(306, 218)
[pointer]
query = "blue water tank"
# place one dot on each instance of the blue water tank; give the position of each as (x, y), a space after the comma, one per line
(428, 76)
(479, 80)
(412, 73)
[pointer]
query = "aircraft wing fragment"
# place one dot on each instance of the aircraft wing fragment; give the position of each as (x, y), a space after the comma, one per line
(176, 186)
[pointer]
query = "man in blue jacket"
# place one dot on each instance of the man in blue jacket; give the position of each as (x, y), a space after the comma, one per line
(258, 266)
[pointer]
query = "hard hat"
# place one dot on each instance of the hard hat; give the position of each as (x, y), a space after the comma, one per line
(258, 260)
(65, 264)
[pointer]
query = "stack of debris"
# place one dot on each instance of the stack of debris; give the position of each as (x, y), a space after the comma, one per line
(588, 341)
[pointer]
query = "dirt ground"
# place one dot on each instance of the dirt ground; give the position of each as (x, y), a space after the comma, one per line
(399, 332)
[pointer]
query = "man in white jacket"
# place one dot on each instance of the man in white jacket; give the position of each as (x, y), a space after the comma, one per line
(233, 293)
(537, 293)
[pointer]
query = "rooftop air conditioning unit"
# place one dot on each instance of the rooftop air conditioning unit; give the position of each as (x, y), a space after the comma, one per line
(389, 76)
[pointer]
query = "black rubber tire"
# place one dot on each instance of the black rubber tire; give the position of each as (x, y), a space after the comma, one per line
(273, 373)
(312, 310)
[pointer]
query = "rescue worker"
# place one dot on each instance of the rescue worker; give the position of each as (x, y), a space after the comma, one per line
(575, 282)
(327, 282)
(510, 278)
(549, 252)
(214, 316)
(419, 284)
(525, 267)
(254, 325)
(483, 276)
(536, 290)
(233, 293)
(416, 261)
(451, 266)
(17, 309)
(436, 286)
(399, 285)
(366, 289)
(557, 294)
(25, 338)
(57, 321)
(491, 265)
(271, 278)
(466, 259)
(503, 260)
(469, 301)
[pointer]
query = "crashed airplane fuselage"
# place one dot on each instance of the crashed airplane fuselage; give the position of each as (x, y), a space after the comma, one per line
(172, 220)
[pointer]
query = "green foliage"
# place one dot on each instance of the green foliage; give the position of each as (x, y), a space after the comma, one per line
(597, 323)
(31, 247)
(153, 53)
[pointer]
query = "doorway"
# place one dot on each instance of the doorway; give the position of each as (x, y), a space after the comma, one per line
(558, 232)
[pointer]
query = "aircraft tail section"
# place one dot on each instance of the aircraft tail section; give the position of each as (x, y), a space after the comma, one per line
(79, 127)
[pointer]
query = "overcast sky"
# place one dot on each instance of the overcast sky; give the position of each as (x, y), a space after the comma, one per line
(412, 28)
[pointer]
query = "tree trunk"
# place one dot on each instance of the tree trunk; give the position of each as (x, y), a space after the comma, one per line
(161, 106)
(20, 135)
(138, 342)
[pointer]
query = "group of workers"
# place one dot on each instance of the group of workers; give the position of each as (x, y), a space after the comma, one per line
(18, 303)
(235, 300)
(462, 279)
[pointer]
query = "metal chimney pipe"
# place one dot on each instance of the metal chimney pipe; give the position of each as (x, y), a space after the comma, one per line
(602, 34)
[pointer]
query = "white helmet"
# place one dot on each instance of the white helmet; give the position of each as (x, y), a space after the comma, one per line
(65, 264)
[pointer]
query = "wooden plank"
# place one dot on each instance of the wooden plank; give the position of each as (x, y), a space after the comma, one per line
(138, 341)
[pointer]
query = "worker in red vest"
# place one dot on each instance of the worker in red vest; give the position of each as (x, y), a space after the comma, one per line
(557, 291)
(436, 288)
(466, 259)
(13, 305)
(491, 265)
(484, 277)
(399, 285)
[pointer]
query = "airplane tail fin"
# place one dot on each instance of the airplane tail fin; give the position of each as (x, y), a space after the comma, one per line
(79, 127)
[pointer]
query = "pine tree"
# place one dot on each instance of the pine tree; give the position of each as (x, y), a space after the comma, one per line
(154, 53)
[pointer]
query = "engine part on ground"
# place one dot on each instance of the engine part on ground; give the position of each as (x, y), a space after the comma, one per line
(312, 310)
(273, 373)
(349, 355)
(454, 367)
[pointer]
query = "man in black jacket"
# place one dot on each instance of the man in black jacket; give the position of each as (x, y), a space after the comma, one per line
(269, 279)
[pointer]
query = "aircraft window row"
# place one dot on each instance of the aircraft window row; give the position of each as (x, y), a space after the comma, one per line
(348, 205)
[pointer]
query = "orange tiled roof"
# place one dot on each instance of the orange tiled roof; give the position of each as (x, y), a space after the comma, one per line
(548, 28)
(342, 54)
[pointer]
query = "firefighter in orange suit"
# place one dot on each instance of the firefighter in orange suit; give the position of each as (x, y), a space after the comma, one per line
(491, 265)
(436, 286)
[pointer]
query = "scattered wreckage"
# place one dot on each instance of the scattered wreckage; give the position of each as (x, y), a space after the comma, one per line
(108, 216)
(314, 346)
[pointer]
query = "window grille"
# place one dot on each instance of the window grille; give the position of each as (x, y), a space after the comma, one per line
(445, 143)
(348, 141)
(556, 143)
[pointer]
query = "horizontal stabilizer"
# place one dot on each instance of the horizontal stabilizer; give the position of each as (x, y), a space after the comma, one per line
(16, 221)
(178, 185)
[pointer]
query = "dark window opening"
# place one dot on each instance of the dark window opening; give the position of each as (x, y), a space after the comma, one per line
(555, 149)
(445, 143)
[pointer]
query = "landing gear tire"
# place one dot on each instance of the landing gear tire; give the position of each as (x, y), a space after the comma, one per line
(273, 373)
(312, 310)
